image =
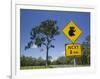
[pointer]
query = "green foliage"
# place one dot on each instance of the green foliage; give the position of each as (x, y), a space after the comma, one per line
(30, 61)
(85, 58)
(44, 34)
(26, 61)
(61, 60)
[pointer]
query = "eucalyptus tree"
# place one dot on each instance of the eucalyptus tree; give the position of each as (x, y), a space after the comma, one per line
(44, 34)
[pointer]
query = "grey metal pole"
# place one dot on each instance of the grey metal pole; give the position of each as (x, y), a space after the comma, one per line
(74, 62)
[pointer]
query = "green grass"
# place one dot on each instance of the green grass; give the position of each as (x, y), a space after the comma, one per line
(50, 66)
(37, 67)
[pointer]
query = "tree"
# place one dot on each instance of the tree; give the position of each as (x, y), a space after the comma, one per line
(40, 62)
(44, 34)
(22, 60)
(26, 61)
(61, 60)
(86, 50)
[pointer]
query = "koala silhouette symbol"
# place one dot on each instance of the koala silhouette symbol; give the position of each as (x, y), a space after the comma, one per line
(71, 31)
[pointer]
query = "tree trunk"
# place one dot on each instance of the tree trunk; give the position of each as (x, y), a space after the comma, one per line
(46, 56)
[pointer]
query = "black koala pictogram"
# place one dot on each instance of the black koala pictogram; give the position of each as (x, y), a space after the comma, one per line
(71, 31)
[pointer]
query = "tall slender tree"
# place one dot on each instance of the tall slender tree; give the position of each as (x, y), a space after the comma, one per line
(44, 34)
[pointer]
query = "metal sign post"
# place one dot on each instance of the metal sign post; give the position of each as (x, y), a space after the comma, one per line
(74, 62)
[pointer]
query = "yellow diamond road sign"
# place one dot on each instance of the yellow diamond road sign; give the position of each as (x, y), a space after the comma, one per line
(72, 50)
(72, 31)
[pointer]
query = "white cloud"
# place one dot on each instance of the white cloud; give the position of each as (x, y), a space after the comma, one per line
(34, 46)
(63, 53)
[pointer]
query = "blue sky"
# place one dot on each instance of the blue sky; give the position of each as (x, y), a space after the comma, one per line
(29, 18)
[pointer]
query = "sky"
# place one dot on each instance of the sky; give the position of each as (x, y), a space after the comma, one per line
(30, 18)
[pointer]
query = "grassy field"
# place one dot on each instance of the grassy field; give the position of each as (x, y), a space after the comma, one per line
(37, 67)
(51, 66)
